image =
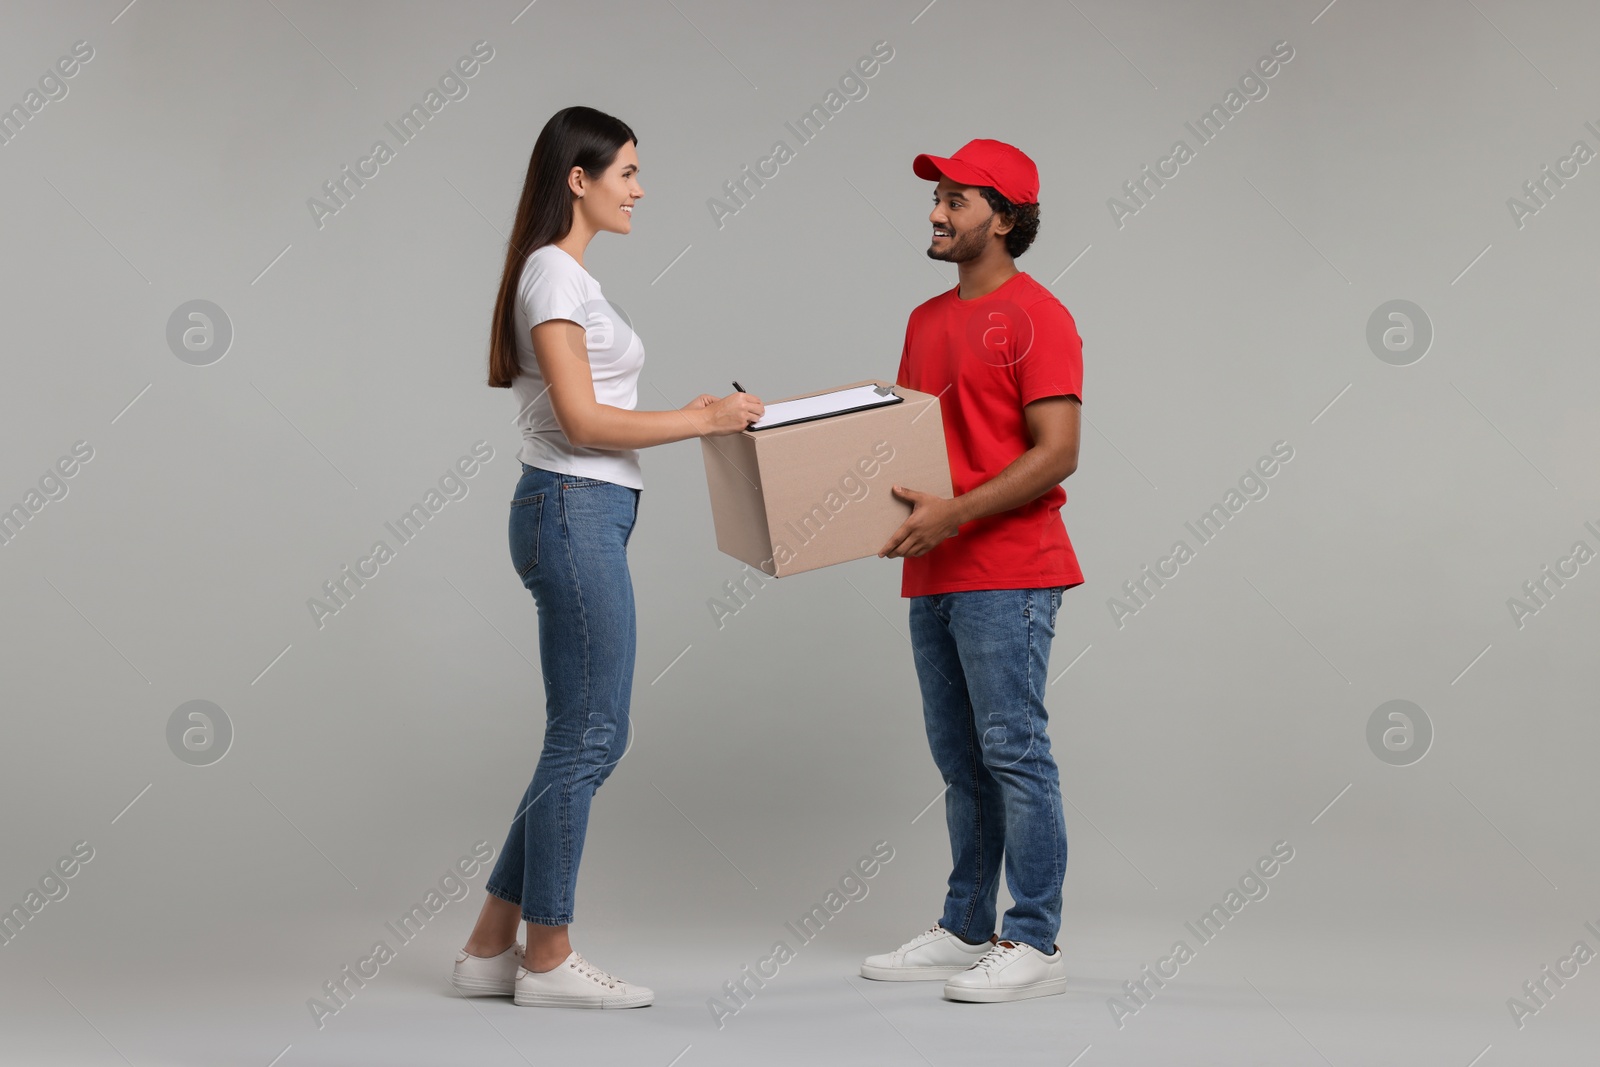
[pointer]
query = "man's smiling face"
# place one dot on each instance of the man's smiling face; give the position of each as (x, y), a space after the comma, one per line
(962, 223)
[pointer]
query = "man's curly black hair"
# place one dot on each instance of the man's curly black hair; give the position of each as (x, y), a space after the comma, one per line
(1024, 220)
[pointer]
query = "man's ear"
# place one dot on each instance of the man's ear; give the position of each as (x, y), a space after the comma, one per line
(1003, 223)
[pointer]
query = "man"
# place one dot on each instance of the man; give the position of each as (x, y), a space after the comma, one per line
(985, 572)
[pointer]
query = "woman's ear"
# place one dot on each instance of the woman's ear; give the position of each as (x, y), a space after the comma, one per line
(576, 181)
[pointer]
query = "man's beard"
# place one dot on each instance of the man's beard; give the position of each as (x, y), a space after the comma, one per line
(963, 247)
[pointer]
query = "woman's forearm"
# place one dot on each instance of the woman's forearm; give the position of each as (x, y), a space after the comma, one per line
(608, 427)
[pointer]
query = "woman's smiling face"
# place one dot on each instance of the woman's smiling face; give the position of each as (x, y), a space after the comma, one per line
(607, 201)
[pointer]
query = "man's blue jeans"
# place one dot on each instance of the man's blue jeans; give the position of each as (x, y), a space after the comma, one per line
(982, 662)
(568, 538)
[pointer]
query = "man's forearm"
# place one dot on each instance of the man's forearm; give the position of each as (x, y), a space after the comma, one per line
(1024, 479)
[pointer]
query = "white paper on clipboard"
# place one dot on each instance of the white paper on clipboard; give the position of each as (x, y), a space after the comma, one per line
(859, 398)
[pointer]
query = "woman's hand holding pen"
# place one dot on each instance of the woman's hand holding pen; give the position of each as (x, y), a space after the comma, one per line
(728, 415)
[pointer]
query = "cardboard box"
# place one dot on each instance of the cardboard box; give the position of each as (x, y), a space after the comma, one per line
(812, 494)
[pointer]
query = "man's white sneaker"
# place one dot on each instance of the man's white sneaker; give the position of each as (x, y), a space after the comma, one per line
(1010, 971)
(931, 955)
(487, 976)
(577, 983)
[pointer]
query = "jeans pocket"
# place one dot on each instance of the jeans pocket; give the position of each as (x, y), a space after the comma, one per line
(526, 513)
(634, 521)
(1051, 602)
(572, 481)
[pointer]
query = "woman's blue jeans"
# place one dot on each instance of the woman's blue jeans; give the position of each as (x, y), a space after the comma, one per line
(982, 663)
(568, 538)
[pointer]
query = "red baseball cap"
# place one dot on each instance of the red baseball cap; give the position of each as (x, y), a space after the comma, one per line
(1005, 168)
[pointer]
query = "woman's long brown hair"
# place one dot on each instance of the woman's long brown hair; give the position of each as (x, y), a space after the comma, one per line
(574, 137)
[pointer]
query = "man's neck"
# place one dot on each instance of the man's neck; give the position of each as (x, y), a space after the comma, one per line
(982, 276)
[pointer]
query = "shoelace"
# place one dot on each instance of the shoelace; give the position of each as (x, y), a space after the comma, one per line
(593, 973)
(998, 955)
(924, 937)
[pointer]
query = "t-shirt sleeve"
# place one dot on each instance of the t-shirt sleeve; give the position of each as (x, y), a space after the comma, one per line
(552, 289)
(900, 378)
(1054, 363)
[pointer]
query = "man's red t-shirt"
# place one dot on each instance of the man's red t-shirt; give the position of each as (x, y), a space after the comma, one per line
(986, 359)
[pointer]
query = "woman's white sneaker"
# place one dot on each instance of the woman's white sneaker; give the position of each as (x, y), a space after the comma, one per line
(1010, 971)
(930, 956)
(487, 976)
(577, 983)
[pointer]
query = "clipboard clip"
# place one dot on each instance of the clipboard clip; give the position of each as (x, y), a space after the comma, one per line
(884, 390)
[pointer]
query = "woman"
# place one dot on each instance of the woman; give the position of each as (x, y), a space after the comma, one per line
(573, 363)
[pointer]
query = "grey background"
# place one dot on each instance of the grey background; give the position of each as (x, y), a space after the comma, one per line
(1228, 314)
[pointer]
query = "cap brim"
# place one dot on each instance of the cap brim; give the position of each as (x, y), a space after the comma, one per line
(932, 168)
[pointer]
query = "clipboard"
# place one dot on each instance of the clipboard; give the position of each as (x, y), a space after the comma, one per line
(825, 405)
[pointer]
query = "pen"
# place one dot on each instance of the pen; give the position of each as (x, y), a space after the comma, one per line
(739, 389)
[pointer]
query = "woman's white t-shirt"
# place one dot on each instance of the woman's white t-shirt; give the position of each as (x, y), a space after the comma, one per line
(553, 285)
